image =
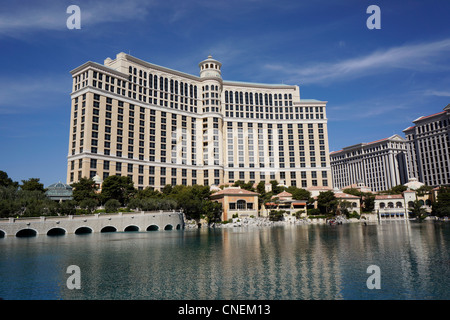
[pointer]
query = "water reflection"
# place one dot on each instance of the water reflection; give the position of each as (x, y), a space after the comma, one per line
(292, 262)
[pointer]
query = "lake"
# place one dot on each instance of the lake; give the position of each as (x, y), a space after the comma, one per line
(292, 262)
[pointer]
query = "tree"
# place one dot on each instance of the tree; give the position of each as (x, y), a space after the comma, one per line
(326, 202)
(6, 181)
(112, 205)
(32, 184)
(261, 188)
(244, 185)
(148, 192)
(117, 187)
(343, 207)
(300, 194)
(167, 189)
(276, 215)
(213, 211)
(353, 191)
(67, 207)
(369, 202)
(418, 212)
(423, 190)
(441, 208)
(396, 190)
(84, 189)
(276, 189)
(89, 205)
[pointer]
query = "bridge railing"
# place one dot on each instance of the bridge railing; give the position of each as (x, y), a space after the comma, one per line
(84, 216)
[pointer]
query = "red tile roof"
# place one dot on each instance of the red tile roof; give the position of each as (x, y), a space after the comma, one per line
(234, 191)
(431, 115)
(284, 194)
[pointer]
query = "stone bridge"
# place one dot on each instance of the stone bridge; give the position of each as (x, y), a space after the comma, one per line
(121, 222)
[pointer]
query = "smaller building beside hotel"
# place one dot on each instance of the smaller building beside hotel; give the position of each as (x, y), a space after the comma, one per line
(236, 201)
(284, 201)
(394, 205)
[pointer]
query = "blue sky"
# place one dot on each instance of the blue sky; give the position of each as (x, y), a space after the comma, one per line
(376, 82)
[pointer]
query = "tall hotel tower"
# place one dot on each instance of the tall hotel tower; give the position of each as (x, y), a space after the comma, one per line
(161, 126)
(428, 143)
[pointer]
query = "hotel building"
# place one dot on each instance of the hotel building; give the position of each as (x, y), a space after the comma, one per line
(379, 165)
(161, 126)
(428, 147)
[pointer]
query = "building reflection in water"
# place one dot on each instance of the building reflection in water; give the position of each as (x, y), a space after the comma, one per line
(292, 263)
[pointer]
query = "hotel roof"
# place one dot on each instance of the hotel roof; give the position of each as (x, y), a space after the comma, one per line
(363, 144)
(430, 116)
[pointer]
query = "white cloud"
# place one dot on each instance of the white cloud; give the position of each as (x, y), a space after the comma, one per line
(437, 93)
(52, 15)
(419, 57)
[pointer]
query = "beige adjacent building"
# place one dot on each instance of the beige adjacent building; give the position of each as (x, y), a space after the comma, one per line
(160, 126)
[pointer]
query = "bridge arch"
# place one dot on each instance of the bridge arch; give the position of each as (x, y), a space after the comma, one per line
(2, 234)
(178, 226)
(83, 230)
(56, 232)
(153, 227)
(108, 229)
(23, 233)
(168, 227)
(131, 228)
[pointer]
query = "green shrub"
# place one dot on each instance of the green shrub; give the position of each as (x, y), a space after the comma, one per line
(112, 205)
(354, 214)
(276, 215)
(313, 212)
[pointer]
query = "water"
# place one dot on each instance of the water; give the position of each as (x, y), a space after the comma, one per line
(290, 263)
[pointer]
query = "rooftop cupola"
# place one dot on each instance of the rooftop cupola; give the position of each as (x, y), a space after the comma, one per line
(210, 68)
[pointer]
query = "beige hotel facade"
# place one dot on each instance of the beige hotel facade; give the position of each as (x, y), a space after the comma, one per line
(160, 126)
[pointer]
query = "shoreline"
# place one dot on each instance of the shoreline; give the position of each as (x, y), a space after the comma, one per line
(246, 222)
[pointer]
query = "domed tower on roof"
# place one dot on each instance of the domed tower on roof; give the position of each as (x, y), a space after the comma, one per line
(210, 68)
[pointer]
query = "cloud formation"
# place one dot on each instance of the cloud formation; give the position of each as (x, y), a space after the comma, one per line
(51, 15)
(418, 57)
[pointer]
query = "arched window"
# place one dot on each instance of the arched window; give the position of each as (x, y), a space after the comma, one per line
(382, 205)
(428, 202)
(410, 204)
(390, 204)
(398, 205)
(241, 204)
